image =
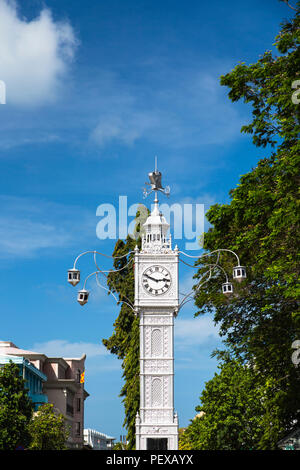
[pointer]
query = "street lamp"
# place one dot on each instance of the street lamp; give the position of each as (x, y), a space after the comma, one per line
(83, 296)
(239, 273)
(73, 276)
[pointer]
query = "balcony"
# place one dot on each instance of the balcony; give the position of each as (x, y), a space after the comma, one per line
(38, 398)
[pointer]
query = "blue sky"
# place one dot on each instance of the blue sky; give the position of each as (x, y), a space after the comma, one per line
(95, 90)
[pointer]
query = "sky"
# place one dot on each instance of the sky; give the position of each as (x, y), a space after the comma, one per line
(94, 91)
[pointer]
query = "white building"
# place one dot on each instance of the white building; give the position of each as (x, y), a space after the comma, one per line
(97, 440)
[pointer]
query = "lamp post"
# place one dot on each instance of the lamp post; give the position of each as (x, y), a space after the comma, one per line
(157, 304)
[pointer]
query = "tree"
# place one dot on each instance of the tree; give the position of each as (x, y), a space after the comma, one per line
(235, 411)
(48, 429)
(15, 408)
(261, 223)
(124, 342)
(120, 446)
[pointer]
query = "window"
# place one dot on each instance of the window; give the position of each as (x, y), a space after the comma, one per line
(69, 409)
(78, 404)
(156, 343)
(156, 392)
(77, 428)
(69, 404)
(78, 376)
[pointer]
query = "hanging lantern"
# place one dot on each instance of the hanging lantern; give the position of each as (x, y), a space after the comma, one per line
(227, 288)
(239, 273)
(73, 276)
(82, 296)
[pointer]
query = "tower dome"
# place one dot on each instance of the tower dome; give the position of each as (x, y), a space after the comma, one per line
(156, 229)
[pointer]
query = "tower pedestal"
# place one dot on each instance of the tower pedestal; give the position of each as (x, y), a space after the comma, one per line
(156, 424)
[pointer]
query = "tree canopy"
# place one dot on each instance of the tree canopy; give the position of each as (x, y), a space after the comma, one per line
(47, 429)
(261, 223)
(236, 413)
(20, 426)
(15, 408)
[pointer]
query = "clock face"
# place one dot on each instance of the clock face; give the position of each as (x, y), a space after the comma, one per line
(156, 280)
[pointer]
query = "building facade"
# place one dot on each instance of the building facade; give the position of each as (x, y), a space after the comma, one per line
(291, 441)
(35, 379)
(97, 440)
(63, 386)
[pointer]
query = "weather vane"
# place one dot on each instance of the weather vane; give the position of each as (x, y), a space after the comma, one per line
(155, 183)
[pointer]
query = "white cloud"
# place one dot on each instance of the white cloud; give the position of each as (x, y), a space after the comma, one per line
(29, 225)
(24, 237)
(187, 110)
(34, 55)
(126, 127)
(64, 348)
(195, 331)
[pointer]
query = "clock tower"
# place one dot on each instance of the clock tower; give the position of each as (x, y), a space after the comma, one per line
(156, 303)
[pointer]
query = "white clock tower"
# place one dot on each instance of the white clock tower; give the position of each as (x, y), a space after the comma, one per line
(156, 301)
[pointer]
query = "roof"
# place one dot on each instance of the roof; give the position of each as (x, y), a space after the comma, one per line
(7, 347)
(156, 218)
(5, 359)
(97, 434)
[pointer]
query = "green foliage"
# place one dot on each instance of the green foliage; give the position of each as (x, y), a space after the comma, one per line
(48, 430)
(15, 409)
(120, 446)
(124, 342)
(131, 388)
(238, 412)
(267, 86)
(261, 223)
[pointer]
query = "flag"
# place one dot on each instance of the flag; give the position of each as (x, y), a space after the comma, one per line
(82, 377)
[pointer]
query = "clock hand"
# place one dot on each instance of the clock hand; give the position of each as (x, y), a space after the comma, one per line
(152, 278)
(164, 279)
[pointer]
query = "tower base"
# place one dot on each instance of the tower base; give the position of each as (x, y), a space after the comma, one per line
(158, 437)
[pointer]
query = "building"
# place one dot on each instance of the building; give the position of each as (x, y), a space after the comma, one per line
(33, 376)
(97, 440)
(291, 441)
(64, 386)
